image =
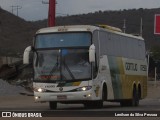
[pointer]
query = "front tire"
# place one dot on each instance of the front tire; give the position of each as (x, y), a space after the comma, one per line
(53, 105)
(93, 104)
(96, 104)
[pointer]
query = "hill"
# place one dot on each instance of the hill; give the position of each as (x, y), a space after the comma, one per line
(16, 33)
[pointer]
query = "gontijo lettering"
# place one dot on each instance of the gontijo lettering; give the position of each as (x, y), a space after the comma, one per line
(143, 67)
(131, 66)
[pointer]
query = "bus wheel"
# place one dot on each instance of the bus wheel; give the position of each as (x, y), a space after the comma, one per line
(99, 103)
(104, 97)
(93, 104)
(96, 104)
(53, 105)
(88, 105)
(133, 102)
(135, 98)
(124, 103)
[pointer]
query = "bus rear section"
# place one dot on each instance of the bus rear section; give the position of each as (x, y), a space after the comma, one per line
(123, 65)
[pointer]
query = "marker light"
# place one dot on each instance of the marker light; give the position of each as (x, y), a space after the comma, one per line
(39, 90)
(36, 98)
(85, 88)
(89, 95)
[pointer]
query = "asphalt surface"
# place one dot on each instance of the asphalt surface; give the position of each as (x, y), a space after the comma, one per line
(24, 103)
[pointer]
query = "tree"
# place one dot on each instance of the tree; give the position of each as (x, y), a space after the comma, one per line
(155, 53)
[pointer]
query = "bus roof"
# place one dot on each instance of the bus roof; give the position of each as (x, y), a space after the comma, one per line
(84, 28)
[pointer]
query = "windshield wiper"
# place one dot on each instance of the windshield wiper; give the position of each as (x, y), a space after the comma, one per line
(55, 67)
(69, 71)
(37, 59)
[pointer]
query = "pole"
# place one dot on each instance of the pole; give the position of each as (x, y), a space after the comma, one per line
(141, 28)
(51, 13)
(17, 8)
(12, 9)
(124, 26)
(148, 56)
(155, 81)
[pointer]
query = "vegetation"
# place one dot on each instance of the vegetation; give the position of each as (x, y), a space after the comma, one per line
(155, 53)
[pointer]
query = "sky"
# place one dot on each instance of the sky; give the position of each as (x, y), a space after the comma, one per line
(32, 10)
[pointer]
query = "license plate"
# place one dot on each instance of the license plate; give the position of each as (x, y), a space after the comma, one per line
(61, 97)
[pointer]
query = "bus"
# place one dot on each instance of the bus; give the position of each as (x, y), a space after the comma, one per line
(87, 64)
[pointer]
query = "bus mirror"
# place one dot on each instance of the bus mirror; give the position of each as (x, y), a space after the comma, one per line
(92, 53)
(26, 55)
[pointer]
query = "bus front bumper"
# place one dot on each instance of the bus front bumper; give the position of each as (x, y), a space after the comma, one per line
(64, 96)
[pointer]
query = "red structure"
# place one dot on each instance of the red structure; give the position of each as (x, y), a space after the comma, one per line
(52, 13)
(157, 24)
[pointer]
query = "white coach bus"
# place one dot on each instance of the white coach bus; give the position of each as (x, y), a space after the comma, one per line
(89, 65)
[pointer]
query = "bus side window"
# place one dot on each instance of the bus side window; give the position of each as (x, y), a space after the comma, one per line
(95, 69)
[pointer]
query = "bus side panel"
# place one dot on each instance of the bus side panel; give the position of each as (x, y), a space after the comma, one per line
(116, 77)
(125, 73)
(104, 76)
(123, 53)
(136, 73)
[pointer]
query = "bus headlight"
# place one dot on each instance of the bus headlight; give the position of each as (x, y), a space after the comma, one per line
(39, 90)
(85, 88)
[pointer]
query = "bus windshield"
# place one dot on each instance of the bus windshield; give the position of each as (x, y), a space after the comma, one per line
(62, 56)
(57, 40)
(62, 64)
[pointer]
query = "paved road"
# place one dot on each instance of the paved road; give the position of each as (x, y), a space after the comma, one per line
(22, 103)
(26, 103)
